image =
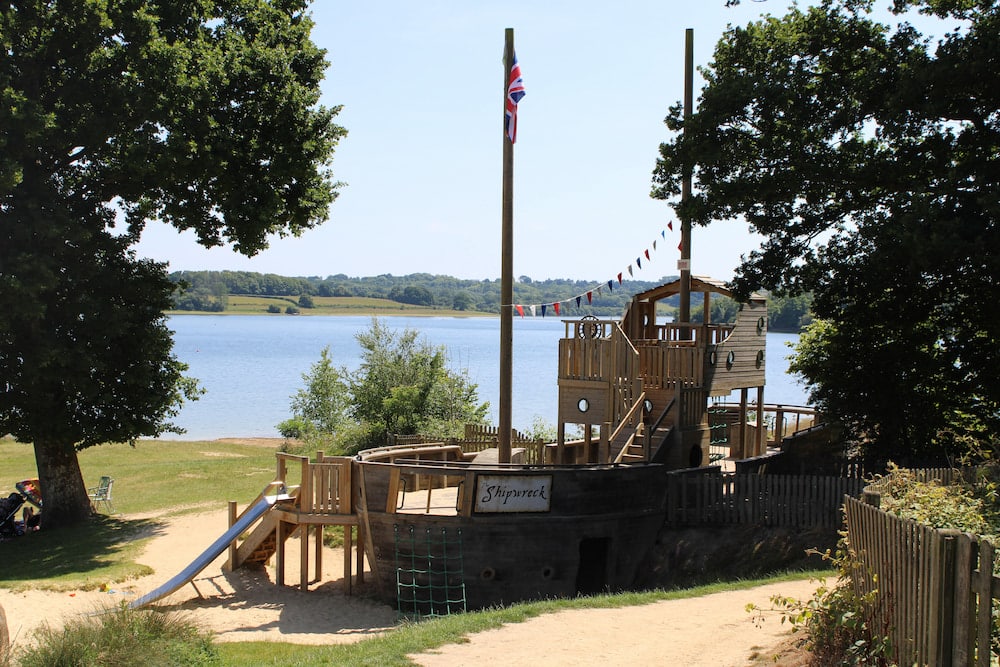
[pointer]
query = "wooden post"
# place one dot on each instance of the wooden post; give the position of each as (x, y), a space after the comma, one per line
(506, 268)
(743, 423)
(761, 424)
(279, 556)
(361, 552)
(232, 545)
(348, 545)
(946, 609)
(304, 556)
(318, 548)
(684, 311)
(560, 442)
(604, 450)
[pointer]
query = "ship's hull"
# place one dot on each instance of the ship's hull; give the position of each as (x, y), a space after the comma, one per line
(524, 533)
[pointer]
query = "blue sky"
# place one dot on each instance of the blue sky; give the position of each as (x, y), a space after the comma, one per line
(421, 86)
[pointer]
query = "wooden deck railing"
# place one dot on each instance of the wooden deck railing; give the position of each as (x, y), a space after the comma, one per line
(934, 588)
(663, 363)
(690, 334)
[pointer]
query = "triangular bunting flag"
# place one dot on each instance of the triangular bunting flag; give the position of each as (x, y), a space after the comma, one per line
(532, 309)
(654, 244)
(647, 253)
(610, 288)
(629, 269)
(590, 297)
(680, 246)
(520, 310)
(619, 277)
(670, 226)
(555, 307)
(638, 262)
(578, 301)
(543, 309)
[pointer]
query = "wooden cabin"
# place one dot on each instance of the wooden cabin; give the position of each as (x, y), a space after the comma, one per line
(642, 389)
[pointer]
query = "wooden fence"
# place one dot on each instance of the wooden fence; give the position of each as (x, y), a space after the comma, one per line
(711, 497)
(934, 587)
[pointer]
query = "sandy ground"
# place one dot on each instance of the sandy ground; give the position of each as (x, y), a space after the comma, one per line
(246, 605)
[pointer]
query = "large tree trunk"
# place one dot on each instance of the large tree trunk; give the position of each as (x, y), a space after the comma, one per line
(64, 496)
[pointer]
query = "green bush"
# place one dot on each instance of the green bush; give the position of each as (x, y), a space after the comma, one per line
(839, 623)
(122, 637)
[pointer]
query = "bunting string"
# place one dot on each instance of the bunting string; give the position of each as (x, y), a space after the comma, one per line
(563, 306)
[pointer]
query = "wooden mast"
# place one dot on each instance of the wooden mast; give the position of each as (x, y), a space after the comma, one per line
(506, 269)
(684, 311)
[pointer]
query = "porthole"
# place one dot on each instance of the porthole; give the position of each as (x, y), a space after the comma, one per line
(730, 359)
(760, 358)
(583, 405)
(694, 456)
(711, 358)
(647, 405)
(760, 324)
(488, 574)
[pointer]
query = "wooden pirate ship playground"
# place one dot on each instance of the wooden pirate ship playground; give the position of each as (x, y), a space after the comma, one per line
(445, 526)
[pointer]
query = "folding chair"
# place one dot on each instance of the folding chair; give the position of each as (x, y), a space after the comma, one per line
(102, 494)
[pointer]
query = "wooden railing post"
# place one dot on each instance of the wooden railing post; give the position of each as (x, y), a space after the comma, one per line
(605, 446)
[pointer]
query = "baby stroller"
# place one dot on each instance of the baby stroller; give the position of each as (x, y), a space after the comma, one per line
(8, 510)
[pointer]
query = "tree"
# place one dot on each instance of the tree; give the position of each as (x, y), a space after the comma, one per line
(402, 386)
(869, 161)
(116, 113)
(320, 408)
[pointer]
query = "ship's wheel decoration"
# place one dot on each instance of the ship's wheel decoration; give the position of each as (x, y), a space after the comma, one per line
(587, 327)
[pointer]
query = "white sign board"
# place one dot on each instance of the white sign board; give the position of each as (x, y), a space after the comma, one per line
(513, 493)
(684, 265)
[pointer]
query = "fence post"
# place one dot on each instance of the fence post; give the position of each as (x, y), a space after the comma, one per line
(984, 607)
(963, 628)
(946, 608)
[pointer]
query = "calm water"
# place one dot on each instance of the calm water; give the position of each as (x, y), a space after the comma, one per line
(250, 365)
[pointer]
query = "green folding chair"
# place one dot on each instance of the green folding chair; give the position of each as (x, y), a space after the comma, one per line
(102, 494)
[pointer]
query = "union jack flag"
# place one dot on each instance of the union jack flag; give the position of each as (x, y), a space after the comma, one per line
(515, 91)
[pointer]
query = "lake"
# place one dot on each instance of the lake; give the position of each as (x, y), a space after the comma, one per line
(251, 365)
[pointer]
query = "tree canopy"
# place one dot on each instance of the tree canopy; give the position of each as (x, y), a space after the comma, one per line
(204, 115)
(868, 156)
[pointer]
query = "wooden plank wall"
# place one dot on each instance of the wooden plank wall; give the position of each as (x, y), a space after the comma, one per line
(715, 498)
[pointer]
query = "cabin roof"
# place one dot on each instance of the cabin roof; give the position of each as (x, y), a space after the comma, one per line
(698, 284)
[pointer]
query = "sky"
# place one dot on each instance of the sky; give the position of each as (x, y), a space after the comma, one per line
(422, 86)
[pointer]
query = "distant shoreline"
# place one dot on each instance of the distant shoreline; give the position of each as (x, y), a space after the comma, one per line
(312, 312)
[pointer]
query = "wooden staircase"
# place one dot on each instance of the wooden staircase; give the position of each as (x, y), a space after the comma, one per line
(261, 544)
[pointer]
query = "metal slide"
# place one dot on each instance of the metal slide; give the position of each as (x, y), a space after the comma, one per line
(207, 556)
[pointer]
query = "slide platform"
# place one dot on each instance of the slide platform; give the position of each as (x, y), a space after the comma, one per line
(210, 554)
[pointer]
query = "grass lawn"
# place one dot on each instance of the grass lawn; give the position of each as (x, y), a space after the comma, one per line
(158, 478)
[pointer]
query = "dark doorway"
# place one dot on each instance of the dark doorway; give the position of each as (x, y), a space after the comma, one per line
(592, 575)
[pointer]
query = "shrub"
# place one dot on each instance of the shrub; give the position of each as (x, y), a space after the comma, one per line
(122, 637)
(839, 623)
